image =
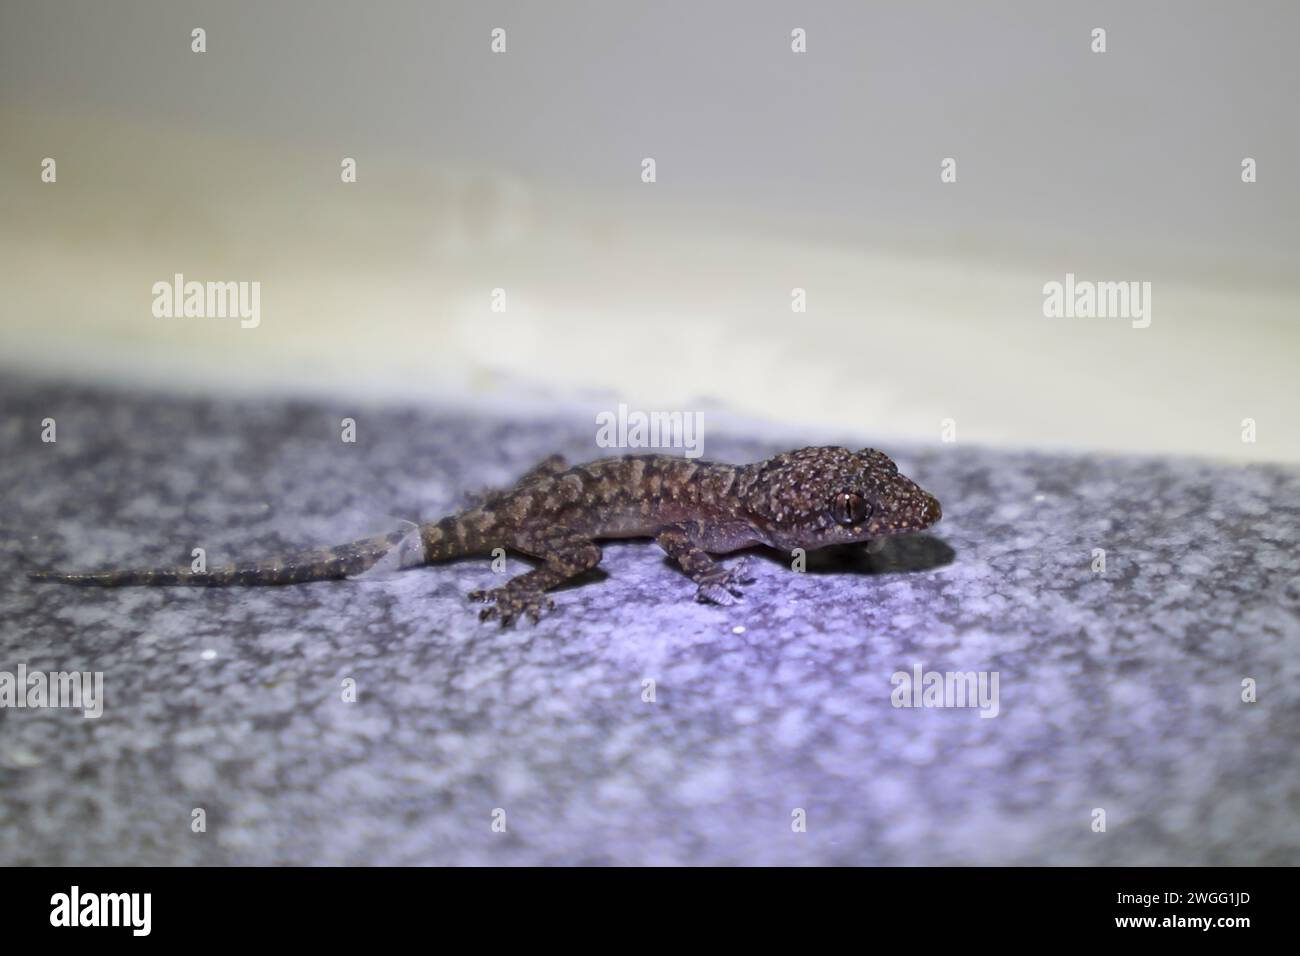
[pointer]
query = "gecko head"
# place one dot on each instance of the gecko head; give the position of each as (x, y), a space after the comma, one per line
(816, 497)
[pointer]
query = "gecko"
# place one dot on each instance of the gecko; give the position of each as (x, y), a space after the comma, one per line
(694, 509)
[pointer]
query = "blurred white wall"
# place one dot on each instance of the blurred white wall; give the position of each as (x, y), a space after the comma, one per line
(775, 170)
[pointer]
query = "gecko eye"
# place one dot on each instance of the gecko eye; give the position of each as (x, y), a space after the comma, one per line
(848, 508)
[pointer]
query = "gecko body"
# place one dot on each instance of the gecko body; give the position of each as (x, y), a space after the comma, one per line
(694, 509)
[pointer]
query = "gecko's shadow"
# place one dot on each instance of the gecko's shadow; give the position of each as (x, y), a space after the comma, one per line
(902, 554)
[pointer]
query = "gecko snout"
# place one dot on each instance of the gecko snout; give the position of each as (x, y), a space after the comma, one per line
(933, 511)
(915, 512)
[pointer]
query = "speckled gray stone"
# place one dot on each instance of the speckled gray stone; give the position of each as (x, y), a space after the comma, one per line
(1119, 691)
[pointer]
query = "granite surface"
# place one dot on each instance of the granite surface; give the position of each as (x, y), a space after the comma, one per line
(1119, 691)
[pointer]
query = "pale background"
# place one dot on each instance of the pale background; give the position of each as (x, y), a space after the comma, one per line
(775, 170)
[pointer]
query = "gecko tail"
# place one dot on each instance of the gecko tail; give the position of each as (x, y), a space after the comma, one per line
(322, 564)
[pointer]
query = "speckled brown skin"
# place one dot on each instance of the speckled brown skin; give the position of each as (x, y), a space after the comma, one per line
(807, 499)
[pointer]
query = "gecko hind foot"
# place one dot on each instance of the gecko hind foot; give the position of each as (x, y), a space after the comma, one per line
(723, 586)
(507, 605)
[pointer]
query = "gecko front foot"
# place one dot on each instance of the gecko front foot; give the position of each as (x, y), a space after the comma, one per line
(720, 585)
(508, 604)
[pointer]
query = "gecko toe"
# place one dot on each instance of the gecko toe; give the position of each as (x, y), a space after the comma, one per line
(508, 605)
(716, 594)
(536, 609)
(723, 585)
